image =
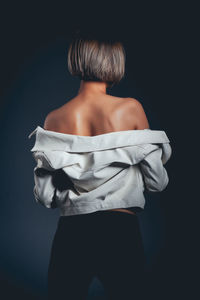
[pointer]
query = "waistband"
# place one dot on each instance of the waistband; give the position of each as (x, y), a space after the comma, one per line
(98, 213)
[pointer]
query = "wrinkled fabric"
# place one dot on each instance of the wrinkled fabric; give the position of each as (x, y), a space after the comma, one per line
(83, 174)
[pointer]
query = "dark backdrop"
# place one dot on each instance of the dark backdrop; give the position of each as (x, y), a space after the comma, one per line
(35, 80)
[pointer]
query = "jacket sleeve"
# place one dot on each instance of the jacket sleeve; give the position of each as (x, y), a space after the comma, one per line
(50, 184)
(152, 166)
(44, 191)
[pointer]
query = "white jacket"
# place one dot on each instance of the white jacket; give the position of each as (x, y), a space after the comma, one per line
(84, 174)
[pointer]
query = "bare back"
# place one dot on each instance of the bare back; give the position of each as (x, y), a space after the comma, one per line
(90, 117)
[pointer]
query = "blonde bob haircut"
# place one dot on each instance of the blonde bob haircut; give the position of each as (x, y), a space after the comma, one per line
(93, 59)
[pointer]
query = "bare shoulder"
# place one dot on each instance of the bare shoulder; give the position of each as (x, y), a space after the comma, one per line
(50, 121)
(134, 102)
(60, 118)
(138, 113)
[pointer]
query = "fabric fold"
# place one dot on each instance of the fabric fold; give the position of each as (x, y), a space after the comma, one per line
(101, 172)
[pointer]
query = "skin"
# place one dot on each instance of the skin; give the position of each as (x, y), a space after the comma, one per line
(92, 112)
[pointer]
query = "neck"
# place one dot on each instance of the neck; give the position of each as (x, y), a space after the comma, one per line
(92, 87)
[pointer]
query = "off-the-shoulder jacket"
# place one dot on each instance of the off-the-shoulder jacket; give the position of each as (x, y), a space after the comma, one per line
(84, 174)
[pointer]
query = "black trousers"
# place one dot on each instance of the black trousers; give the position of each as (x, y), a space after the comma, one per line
(105, 244)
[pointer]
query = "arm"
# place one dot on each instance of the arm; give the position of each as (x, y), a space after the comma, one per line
(51, 184)
(154, 173)
(138, 115)
(44, 190)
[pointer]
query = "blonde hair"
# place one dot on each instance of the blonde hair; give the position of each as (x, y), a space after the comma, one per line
(93, 59)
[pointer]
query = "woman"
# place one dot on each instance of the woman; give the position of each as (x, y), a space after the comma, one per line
(100, 242)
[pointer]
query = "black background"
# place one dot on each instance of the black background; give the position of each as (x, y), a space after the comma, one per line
(159, 39)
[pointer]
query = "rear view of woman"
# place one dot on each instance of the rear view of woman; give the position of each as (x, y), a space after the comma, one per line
(95, 157)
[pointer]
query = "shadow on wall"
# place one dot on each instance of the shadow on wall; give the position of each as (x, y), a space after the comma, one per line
(9, 291)
(96, 290)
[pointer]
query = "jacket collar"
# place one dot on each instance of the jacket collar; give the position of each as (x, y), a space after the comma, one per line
(51, 140)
